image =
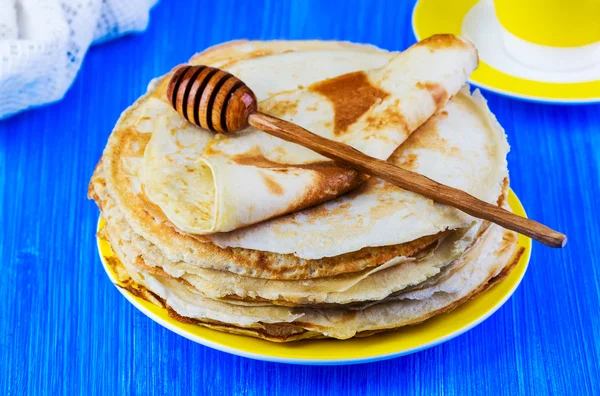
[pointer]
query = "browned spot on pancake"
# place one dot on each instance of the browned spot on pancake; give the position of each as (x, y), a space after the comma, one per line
(441, 41)
(509, 239)
(113, 263)
(138, 146)
(261, 260)
(313, 107)
(259, 53)
(427, 137)
(443, 113)
(351, 96)
(409, 162)
(391, 116)
(284, 107)
(502, 197)
(210, 148)
(260, 161)
(432, 142)
(254, 157)
(92, 194)
(273, 187)
(280, 151)
(283, 330)
(178, 143)
(320, 212)
(436, 90)
(386, 205)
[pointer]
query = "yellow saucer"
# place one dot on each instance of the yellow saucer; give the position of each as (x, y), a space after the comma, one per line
(358, 350)
(441, 16)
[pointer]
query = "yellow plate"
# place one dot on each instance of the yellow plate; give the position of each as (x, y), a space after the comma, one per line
(441, 16)
(358, 350)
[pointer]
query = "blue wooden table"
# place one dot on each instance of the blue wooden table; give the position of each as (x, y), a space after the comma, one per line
(65, 329)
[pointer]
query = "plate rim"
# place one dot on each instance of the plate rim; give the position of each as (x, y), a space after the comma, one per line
(318, 362)
(506, 93)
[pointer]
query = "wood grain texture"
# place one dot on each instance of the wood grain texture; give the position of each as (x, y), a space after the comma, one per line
(64, 329)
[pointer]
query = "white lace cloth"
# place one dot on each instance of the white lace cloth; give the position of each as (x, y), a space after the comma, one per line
(43, 42)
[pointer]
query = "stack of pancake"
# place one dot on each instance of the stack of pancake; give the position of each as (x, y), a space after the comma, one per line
(248, 234)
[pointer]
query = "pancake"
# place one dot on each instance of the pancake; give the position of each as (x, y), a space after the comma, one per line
(372, 259)
(494, 257)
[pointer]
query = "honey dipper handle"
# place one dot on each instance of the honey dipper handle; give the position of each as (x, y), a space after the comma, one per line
(407, 180)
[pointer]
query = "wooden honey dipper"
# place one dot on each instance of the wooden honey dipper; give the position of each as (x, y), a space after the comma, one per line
(218, 101)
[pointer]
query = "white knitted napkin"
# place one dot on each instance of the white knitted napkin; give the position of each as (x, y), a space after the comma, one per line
(43, 42)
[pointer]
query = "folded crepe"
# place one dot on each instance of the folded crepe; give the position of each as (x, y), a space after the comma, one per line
(206, 183)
